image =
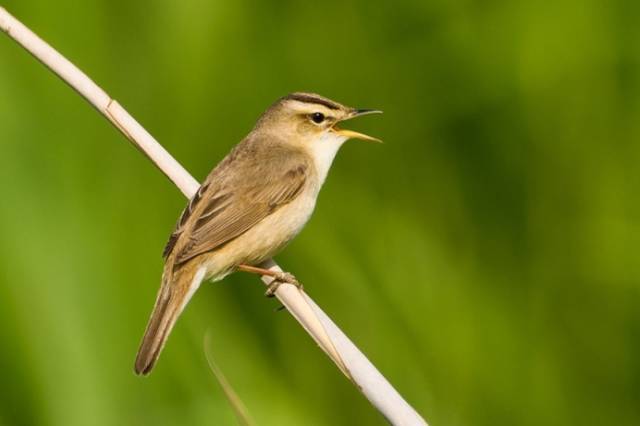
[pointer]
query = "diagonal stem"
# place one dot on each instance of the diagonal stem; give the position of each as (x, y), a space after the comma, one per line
(327, 335)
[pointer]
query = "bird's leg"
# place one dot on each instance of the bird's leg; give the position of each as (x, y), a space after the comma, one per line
(279, 278)
(284, 277)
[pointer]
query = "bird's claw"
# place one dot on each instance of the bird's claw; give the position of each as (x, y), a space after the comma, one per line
(286, 277)
(282, 277)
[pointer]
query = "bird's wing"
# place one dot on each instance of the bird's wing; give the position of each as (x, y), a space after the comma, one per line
(253, 181)
(234, 199)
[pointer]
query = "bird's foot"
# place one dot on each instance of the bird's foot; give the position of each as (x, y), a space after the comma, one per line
(280, 278)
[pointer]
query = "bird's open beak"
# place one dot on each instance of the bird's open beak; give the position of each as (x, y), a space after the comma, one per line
(350, 134)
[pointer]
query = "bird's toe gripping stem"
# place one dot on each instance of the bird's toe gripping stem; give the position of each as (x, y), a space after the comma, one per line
(279, 278)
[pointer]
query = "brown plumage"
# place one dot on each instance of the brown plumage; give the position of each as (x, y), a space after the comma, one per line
(248, 208)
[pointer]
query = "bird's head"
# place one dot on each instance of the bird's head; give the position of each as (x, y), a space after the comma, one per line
(308, 119)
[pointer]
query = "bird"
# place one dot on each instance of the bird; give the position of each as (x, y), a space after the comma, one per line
(250, 206)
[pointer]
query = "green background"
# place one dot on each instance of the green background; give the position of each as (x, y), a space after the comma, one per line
(485, 257)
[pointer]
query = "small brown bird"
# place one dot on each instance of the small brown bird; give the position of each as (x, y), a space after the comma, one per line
(250, 206)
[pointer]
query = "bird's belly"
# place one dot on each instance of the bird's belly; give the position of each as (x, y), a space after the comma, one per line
(264, 240)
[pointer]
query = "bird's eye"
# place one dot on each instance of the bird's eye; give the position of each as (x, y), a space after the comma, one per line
(317, 117)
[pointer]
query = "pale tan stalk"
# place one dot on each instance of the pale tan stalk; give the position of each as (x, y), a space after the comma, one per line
(327, 335)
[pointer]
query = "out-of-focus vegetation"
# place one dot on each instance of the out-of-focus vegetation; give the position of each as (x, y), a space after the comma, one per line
(485, 257)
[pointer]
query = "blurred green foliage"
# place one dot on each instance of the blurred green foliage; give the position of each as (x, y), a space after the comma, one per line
(485, 257)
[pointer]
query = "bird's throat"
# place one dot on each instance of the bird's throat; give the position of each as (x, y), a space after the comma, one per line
(324, 151)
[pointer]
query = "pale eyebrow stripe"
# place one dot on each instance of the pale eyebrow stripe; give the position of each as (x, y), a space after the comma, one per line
(313, 100)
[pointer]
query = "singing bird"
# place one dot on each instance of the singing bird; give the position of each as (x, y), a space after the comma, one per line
(250, 206)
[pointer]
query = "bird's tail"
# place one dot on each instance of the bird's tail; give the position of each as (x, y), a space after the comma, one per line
(175, 291)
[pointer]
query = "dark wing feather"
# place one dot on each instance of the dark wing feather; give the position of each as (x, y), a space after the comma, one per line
(240, 211)
(186, 213)
(232, 202)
